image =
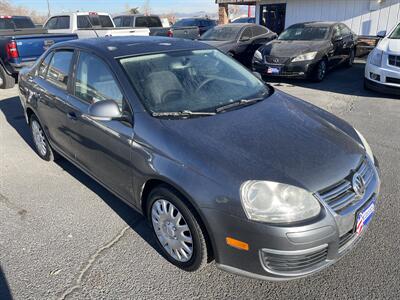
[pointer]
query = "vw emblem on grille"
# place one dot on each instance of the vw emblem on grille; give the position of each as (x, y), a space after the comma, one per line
(275, 60)
(358, 184)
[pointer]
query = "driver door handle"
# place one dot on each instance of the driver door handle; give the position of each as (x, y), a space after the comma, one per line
(72, 116)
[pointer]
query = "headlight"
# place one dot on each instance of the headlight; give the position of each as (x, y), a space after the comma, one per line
(366, 146)
(305, 56)
(258, 55)
(273, 202)
(375, 57)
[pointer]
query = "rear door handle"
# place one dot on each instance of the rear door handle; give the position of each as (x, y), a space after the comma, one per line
(72, 116)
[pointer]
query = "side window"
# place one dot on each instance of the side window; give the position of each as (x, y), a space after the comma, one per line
(58, 72)
(94, 81)
(141, 22)
(126, 22)
(83, 22)
(52, 23)
(44, 65)
(259, 30)
(246, 34)
(118, 21)
(344, 30)
(336, 32)
(63, 22)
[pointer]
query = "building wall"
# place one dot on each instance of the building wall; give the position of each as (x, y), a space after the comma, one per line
(364, 17)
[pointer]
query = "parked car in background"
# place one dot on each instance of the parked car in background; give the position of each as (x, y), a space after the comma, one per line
(21, 43)
(245, 20)
(382, 71)
(222, 165)
(238, 40)
(165, 22)
(203, 24)
(89, 25)
(154, 23)
(307, 50)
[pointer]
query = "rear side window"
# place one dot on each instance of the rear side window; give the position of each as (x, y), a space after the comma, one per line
(83, 22)
(94, 81)
(259, 30)
(23, 22)
(344, 30)
(44, 65)
(141, 22)
(126, 22)
(153, 22)
(61, 22)
(246, 34)
(58, 72)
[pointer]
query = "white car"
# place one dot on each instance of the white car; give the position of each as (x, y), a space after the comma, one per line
(90, 25)
(382, 71)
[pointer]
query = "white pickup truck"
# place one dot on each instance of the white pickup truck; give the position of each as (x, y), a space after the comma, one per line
(90, 25)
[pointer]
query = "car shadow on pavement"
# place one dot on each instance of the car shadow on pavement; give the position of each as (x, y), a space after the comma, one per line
(341, 80)
(5, 293)
(13, 112)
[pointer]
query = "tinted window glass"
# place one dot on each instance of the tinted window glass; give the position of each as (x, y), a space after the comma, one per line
(154, 22)
(43, 66)
(186, 22)
(221, 33)
(141, 22)
(126, 22)
(63, 22)
(344, 30)
(94, 20)
(396, 33)
(83, 22)
(336, 32)
(59, 68)
(118, 21)
(94, 81)
(52, 23)
(6, 24)
(23, 22)
(105, 21)
(259, 30)
(247, 34)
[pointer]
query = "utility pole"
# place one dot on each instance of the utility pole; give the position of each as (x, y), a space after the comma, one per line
(48, 8)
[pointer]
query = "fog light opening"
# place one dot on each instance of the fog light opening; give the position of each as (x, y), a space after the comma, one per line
(374, 76)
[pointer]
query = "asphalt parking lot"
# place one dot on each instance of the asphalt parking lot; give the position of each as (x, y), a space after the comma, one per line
(63, 236)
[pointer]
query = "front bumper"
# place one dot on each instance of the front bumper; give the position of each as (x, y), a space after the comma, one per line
(288, 252)
(385, 79)
(300, 70)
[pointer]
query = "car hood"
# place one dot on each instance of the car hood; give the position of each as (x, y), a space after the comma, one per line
(222, 45)
(391, 46)
(281, 139)
(280, 48)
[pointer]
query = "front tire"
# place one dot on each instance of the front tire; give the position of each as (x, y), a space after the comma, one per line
(41, 143)
(177, 230)
(6, 81)
(320, 71)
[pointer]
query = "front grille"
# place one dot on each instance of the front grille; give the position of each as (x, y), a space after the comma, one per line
(392, 80)
(276, 60)
(341, 195)
(344, 239)
(394, 60)
(293, 263)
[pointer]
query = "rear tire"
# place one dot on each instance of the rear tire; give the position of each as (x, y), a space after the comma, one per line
(177, 231)
(40, 141)
(6, 81)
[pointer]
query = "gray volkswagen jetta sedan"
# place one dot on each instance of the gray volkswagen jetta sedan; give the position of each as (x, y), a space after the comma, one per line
(224, 167)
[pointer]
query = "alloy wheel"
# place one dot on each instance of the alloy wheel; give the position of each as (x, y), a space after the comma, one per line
(39, 138)
(172, 230)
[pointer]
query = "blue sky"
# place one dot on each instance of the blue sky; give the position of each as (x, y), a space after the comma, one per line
(114, 6)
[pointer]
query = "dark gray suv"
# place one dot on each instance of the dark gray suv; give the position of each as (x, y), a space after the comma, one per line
(223, 166)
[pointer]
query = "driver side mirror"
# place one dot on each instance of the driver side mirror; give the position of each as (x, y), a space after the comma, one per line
(106, 110)
(381, 34)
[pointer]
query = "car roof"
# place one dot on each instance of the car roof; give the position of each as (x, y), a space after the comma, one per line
(113, 47)
(317, 23)
(237, 25)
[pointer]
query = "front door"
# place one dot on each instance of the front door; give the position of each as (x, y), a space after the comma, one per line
(273, 16)
(103, 148)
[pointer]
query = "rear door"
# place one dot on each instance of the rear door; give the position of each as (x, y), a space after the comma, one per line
(100, 147)
(52, 80)
(348, 42)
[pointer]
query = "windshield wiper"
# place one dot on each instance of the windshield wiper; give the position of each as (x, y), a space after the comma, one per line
(184, 113)
(241, 102)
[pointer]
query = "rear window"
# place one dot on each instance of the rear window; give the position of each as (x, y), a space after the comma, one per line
(83, 22)
(6, 24)
(16, 23)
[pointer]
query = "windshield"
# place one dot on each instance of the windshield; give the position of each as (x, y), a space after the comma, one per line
(221, 33)
(396, 33)
(196, 81)
(304, 33)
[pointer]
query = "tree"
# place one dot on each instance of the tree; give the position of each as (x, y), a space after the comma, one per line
(134, 11)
